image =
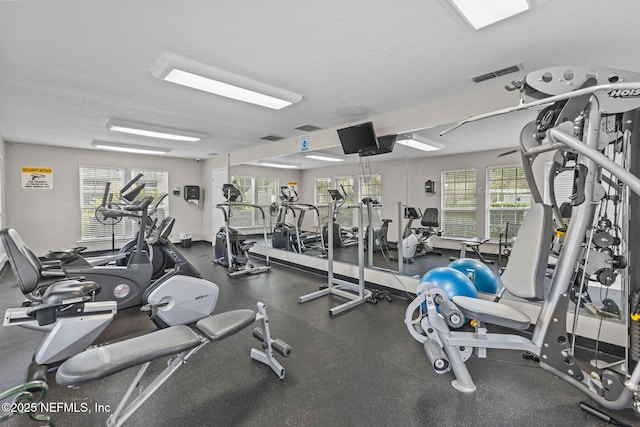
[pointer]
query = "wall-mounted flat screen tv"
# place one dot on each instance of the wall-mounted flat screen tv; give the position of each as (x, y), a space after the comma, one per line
(358, 138)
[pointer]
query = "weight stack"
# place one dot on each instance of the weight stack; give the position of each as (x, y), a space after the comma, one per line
(634, 327)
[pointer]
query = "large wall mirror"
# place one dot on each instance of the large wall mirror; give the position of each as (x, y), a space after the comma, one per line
(472, 184)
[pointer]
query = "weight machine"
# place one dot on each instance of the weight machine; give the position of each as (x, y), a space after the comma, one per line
(592, 119)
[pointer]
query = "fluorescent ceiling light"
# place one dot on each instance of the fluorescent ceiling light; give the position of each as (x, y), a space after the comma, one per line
(129, 148)
(276, 164)
(186, 72)
(324, 158)
(153, 131)
(481, 13)
(417, 142)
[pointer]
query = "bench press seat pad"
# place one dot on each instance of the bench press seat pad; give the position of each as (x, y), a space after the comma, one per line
(102, 361)
(475, 242)
(219, 326)
(492, 312)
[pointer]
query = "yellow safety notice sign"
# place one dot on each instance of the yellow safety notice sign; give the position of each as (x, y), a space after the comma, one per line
(37, 178)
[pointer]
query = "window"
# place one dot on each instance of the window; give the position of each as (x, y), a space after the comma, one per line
(322, 198)
(93, 181)
(243, 216)
(346, 215)
(322, 186)
(268, 193)
(509, 198)
(459, 203)
(371, 186)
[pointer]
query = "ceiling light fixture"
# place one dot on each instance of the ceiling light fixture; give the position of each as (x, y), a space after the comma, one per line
(419, 143)
(186, 72)
(324, 158)
(153, 131)
(481, 13)
(129, 148)
(276, 164)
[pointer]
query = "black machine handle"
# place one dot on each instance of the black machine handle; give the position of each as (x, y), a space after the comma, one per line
(130, 183)
(105, 195)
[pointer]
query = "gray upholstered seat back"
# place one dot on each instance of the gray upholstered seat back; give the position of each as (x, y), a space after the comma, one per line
(430, 218)
(526, 269)
(24, 263)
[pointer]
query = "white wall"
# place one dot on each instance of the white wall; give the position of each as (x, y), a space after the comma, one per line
(3, 199)
(3, 174)
(48, 219)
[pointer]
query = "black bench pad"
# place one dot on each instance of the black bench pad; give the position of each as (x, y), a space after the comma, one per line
(219, 326)
(100, 362)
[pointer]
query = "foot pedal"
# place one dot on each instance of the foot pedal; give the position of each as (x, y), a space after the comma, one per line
(36, 372)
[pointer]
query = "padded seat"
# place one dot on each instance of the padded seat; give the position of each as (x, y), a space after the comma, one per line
(68, 289)
(219, 326)
(475, 242)
(64, 254)
(492, 312)
(100, 362)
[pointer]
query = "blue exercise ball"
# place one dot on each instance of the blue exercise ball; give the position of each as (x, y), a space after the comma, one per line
(478, 272)
(451, 281)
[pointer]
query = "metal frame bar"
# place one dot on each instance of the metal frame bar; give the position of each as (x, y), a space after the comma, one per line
(357, 294)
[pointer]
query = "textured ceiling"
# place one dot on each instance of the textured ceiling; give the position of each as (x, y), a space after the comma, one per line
(68, 66)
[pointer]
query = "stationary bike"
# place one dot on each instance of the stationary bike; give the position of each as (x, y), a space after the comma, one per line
(74, 311)
(415, 242)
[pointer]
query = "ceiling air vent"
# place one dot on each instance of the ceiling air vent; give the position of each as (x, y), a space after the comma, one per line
(497, 73)
(272, 138)
(308, 128)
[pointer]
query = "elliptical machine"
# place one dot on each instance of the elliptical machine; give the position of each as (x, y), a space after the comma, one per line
(342, 237)
(287, 233)
(231, 248)
(156, 237)
(379, 241)
(126, 283)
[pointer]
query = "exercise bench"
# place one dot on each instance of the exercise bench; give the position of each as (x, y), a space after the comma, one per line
(182, 341)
